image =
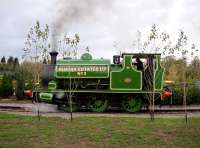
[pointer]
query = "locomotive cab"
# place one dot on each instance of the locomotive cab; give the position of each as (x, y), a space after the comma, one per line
(130, 77)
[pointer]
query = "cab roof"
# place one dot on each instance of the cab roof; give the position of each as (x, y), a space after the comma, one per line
(142, 55)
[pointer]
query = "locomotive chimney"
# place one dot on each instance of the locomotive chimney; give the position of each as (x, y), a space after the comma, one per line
(53, 56)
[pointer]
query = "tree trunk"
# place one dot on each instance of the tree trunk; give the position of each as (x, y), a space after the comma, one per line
(70, 98)
(184, 93)
(151, 108)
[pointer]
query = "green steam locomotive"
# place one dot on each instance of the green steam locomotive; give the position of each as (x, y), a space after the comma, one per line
(97, 84)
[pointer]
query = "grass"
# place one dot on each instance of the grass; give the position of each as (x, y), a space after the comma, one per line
(27, 131)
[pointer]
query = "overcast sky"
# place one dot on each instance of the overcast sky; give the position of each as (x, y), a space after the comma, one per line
(104, 22)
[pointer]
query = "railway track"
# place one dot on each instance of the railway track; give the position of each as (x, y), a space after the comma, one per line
(48, 110)
(52, 108)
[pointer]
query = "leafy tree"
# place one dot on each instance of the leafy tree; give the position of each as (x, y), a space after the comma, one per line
(23, 74)
(173, 73)
(16, 62)
(10, 60)
(28, 70)
(3, 60)
(193, 95)
(193, 70)
(6, 87)
(168, 62)
(181, 66)
(20, 83)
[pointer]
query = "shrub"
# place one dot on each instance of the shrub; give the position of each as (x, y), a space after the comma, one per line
(177, 98)
(193, 95)
(29, 85)
(20, 89)
(6, 87)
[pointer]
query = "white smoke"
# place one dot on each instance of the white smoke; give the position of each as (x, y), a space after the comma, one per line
(68, 11)
(45, 108)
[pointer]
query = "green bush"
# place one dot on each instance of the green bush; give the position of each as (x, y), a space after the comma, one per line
(20, 89)
(165, 101)
(29, 85)
(193, 95)
(177, 98)
(6, 87)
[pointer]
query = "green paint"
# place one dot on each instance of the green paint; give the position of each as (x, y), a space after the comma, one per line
(82, 71)
(131, 104)
(98, 104)
(100, 91)
(46, 97)
(83, 62)
(52, 85)
(86, 56)
(82, 68)
(127, 78)
(123, 79)
(159, 74)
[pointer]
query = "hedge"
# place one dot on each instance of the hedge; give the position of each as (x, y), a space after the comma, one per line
(192, 96)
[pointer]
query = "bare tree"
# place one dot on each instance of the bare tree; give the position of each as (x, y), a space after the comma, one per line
(36, 48)
(157, 42)
(181, 46)
(182, 49)
(68, 46)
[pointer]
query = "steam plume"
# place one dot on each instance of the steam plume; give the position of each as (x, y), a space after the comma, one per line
(68, 11)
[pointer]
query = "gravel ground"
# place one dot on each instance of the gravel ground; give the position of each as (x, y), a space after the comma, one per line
(49, 110)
